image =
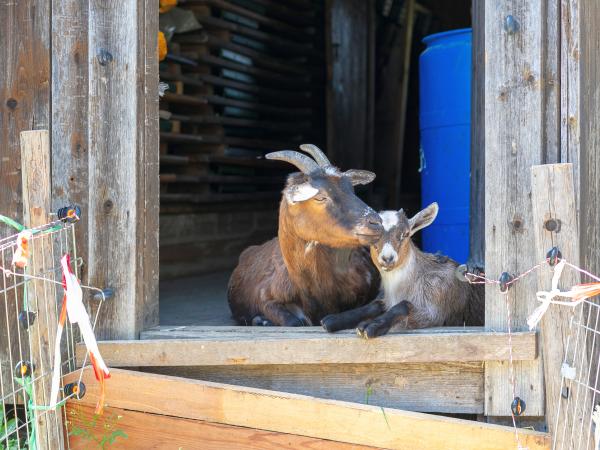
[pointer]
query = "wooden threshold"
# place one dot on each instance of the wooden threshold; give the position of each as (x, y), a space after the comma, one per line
(212, 346)
(296, 414)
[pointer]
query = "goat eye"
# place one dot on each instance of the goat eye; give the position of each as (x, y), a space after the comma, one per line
(320, 199)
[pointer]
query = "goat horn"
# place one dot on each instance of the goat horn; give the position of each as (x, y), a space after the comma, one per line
(317, 154)
(302, 162)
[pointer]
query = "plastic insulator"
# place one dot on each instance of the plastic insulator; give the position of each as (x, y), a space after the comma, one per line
(504, 280)
(24, 369)
(26, 319)
(517, 406)
(69, 214)
(553, 256)
(76, 390)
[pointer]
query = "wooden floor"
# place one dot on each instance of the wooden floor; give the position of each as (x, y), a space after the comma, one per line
(199, 300)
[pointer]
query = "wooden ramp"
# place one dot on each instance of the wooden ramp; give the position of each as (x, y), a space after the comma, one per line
(158, 411)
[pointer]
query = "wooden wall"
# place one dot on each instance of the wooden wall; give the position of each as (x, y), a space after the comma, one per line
(88, 75)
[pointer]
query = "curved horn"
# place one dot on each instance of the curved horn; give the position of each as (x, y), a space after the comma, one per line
(317, 154)
(302, 162)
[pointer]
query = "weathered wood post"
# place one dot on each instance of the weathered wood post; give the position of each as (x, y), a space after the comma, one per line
(35, 167)
(555, 224)
(513, 143)
(123, 163)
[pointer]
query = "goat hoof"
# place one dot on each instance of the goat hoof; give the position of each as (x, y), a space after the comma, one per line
(295, 322)
(260, 321)
(328, 323)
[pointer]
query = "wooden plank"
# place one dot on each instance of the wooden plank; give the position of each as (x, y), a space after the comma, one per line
(148, 166)
(245, 345)
(553, 197)
(155, 431)
(219, 198)
(123, 142)
(477, 194)
(584, 81)
(220, 179)
(300, 415)
(348, 68)
(513, 142)
(35, 169)
(69, 115)
(400, 126)
(570, 83)
(455, 388)
(282, 44)
(204, 79)
(24, 105)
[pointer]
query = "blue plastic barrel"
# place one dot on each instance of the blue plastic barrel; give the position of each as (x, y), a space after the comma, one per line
(445, 123)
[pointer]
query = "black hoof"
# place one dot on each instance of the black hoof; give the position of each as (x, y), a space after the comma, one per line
(260, 321)
(329, 323)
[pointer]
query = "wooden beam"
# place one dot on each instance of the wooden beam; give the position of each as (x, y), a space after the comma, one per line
(477, 187)
(123, 142)
(513, 143)
(159, 431)
(300, 415)
(249, 345)
(455, 388)
(553, 198)
(24, 105)
(41, 296)
(69, 115)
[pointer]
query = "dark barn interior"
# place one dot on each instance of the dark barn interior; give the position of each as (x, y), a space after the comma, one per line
(246, 77)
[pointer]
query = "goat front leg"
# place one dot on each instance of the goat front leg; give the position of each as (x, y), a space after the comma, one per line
(279, 314)
(349, 319)
(382, 324)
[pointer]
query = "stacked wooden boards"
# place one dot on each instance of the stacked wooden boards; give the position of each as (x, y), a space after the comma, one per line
(250, 80)
(154, 411)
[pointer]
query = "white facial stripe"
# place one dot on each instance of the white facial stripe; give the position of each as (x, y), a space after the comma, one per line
(302, 192)
(389, 219)
(388, 252)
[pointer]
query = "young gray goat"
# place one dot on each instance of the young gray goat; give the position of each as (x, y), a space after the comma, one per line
(418, 290)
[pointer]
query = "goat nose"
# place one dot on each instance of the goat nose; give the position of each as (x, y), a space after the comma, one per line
(388, 259)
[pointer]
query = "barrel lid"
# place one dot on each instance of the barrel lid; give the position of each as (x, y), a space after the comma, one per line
(446, 35)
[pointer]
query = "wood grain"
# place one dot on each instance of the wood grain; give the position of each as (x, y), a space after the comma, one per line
(252, 345)
(437, 387)
(347, 36)
(513, 142)
(41, 296)
(300, 415)
(477, 188)
(69, 115)
(553, 197)
(123, 163)
(155, 431)
(24, 105)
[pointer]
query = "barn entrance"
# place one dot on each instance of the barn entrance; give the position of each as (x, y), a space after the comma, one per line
(246, 77)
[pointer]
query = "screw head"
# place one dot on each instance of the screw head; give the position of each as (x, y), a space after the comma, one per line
(511, 26)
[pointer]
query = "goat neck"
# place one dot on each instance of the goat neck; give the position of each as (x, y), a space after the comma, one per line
(308, 259)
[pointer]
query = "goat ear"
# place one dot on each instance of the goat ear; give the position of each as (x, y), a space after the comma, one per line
(299, 192)
(423, 218)
(359, 176)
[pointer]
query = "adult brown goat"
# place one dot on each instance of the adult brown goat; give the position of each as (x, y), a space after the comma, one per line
(319, 263)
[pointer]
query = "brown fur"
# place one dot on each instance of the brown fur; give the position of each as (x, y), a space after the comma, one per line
(317, 265)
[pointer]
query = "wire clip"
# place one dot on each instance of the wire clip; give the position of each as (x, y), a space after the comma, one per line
(24, 369)
(504, 280)
(553, 256)
(517, 406)
(26, 319)
(69, 214)
(76, 390)
(106, 294)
